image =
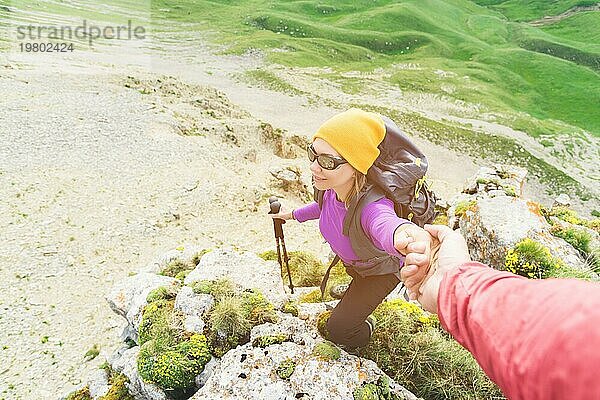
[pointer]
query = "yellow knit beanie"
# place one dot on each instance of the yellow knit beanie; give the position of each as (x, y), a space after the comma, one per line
(355, 134)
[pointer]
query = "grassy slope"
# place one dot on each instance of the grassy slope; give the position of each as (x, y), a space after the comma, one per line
(505, 62)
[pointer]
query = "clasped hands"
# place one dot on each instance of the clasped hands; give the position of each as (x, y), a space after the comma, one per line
(430, 253)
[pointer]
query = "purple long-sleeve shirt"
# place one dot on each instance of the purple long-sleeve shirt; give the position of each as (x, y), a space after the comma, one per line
(378, 220)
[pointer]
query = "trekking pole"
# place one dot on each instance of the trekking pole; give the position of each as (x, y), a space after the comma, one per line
(275, 206)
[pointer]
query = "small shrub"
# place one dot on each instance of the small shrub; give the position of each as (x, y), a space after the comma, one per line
(530, 259)
(290, 307)
(219, 289)
(173, 367)
(570, 216)
(314, 297)
(409, 346)
(196, 258)
(286, 368)
(305, 268)
(118, 389)
(159, 322)
(229, 318)
(461, 208)
(264, 341)
(578, 238)
(257, 308)
(566, 214)
(182, 275)
(326, 351)
(80, 394)
(161, 293)
(176, 267)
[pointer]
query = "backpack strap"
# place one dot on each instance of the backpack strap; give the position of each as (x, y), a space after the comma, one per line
(323, 285)
(318, 196)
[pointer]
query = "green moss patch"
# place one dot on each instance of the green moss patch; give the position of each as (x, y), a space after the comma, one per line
(379, 390)
(173, 367)
(290, 307)
(327, 351)
(286, 368)
(162, 293)
(267, 340)
(322, 323)
(118, 389)
(168, 356)
(533, 260)
(81, 394)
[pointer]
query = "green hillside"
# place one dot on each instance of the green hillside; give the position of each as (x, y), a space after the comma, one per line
(549, 73)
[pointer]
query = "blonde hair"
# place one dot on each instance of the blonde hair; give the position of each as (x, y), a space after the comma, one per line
(360, 180)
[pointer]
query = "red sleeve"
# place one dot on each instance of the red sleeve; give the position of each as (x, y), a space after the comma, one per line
(537, 339)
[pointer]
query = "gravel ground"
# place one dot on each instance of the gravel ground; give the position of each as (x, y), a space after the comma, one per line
(96, 183)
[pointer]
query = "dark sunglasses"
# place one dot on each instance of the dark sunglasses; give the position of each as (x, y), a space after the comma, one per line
(326, 161)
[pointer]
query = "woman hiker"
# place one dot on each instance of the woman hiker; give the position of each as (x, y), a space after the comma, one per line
(341, 152)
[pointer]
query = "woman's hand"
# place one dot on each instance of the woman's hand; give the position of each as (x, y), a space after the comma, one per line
(416, 244)
(283, 214)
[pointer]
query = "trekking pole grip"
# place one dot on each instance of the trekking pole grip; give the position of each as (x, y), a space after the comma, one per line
(275, 206)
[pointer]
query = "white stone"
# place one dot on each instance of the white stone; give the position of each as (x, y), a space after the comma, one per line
(128, 297)
(98, 383)
(140, 390)
(562, 201)
(193, 306)
(247, 270)
(249, 373)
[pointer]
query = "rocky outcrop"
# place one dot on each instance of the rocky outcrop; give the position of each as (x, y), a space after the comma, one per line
(249, 372)
(128, 298)
(492, 226)
(246, 270)
(286, 359)
(493, 217)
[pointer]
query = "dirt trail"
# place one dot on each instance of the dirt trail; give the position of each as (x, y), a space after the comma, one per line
(552, 19)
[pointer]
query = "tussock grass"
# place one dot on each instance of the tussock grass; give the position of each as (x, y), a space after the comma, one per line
(409, 346)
